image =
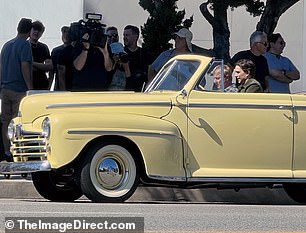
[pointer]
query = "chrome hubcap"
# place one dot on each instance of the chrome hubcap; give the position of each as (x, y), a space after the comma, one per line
(111, 172)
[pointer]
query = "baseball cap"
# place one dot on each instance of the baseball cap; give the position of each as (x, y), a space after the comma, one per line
(185, 33)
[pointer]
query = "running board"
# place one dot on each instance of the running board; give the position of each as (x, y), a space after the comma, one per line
(245, 180)
(188, 180)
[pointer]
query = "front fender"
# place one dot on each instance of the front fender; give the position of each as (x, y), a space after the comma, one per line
(158, 140)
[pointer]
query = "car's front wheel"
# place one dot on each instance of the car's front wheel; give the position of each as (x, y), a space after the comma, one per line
(109, 174)
(297, 192)
(54, 187)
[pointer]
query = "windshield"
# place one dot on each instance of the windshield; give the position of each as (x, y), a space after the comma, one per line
(174, 76)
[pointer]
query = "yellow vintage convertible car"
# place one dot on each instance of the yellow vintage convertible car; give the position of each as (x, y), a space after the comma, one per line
(179, 132)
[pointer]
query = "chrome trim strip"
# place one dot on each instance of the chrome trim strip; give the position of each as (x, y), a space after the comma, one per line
(299, 107)
(52, 106)
(21, 132)
(245, 180)
(29, 151)
(31, 154)
(30, 133)
(250, 106)
(24, 167)
(168, 178)
(25, 142)
(103, 132)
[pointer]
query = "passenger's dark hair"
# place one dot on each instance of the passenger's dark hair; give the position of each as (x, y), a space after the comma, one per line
(134, 29)
(247, 66)
(24, 26)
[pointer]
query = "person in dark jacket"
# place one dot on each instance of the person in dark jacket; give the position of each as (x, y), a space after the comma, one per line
(244, 72)
(138, 59)
(42, 61)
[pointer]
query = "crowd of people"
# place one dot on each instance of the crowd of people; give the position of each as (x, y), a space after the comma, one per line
(261, 68)
(77, 65)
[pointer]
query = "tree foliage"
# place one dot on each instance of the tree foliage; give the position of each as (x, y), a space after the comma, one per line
(215, 12)
(271, 14)
(163, 20)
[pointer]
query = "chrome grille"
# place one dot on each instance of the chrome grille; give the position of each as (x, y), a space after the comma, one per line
(29, 147)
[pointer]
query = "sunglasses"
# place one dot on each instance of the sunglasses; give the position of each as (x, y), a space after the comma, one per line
(113, 35)
(263, 43)
(282, 42)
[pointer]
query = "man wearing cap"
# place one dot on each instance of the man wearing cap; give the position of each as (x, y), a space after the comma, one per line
(182, 39)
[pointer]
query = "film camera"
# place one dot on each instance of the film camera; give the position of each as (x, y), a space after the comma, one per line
(117, 49)
(92, 26)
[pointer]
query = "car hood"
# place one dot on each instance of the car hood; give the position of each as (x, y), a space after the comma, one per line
(150, 104)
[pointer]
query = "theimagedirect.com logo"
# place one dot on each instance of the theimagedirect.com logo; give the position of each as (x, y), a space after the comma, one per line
(68, 224)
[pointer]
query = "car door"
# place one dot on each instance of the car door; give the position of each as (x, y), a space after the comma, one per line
(299, 159)
(239, 134)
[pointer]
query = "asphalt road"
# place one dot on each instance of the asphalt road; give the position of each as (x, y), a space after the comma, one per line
(171, 216)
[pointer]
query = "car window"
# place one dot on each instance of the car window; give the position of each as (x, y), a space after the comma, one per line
(207, 83)
(175, 75)
(217, 78)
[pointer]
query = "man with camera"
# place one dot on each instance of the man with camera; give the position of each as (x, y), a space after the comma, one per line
(121, 69)
(91, 59)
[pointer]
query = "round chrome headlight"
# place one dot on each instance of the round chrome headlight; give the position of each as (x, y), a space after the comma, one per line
(11, 130)
(46, 127)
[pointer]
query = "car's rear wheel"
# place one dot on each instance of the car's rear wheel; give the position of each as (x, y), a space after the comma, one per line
(53, 187)
(109, 173)
(297, 192)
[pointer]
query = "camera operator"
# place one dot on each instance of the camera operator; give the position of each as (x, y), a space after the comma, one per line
(91, 59)
(121, 70)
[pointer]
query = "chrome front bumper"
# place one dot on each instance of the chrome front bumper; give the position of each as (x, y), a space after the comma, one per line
(26, 167)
